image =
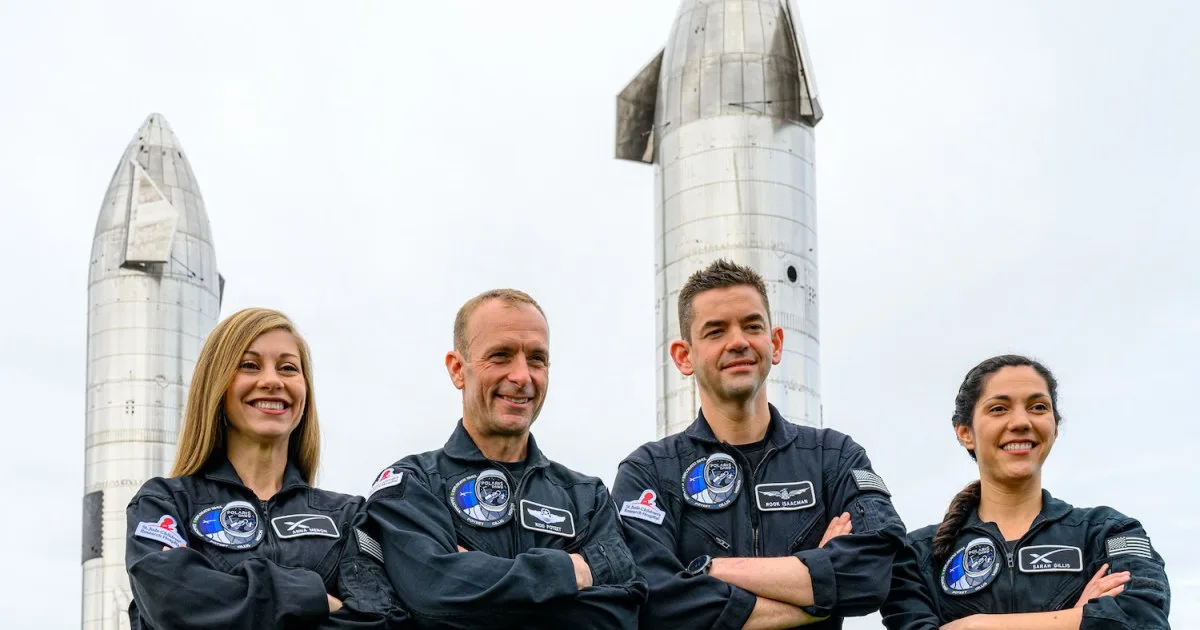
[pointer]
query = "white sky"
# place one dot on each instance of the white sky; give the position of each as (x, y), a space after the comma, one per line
(991, 177)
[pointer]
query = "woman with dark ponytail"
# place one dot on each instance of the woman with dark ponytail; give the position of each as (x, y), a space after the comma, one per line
(1008, 555)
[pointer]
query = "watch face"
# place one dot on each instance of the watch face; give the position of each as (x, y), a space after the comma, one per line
(699, 565)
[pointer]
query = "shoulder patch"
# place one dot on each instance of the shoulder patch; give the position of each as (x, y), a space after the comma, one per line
(644, 508)
(869, 481)
(1129, 546)
(386, 479)
(297, 525)
(368, 545)
(165, 531)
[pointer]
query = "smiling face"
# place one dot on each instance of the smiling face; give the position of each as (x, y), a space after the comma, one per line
(1013, 426)
(265, 399)
(732, 345)
(505, 370)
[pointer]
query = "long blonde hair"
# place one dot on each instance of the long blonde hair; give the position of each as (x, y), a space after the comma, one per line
(203, 428)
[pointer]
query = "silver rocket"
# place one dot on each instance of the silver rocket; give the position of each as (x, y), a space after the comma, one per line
(154, 294)
(725, 112)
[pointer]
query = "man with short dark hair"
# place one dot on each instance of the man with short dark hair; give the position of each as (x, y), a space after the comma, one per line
(745, 520)
(487, 532)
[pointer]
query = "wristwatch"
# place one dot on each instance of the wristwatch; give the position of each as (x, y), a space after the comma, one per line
(700, 565)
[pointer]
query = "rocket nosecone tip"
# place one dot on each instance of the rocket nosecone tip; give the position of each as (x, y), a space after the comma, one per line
(712, 65)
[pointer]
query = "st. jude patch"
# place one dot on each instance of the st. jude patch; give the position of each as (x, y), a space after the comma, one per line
(165, 531)
(483, 500)
(234, 525)
(712, 482)
(644, 508)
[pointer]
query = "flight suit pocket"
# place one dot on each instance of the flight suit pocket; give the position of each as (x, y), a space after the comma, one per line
(806, 532)
(701, 534)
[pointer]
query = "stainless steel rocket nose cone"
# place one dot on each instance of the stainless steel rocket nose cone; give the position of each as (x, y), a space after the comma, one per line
(154, 294)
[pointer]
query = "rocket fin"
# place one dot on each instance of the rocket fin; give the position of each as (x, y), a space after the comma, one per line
(635, 114)
(810, 105)
(152, 221)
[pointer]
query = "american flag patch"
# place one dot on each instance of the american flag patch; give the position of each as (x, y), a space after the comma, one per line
(1129, 546)
(368, 545)
(867, 480)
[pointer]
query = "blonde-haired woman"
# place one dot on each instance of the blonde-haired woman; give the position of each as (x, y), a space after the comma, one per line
(237, 536)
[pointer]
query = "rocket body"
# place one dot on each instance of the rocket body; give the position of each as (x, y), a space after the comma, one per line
(725, 113)
(154, 294)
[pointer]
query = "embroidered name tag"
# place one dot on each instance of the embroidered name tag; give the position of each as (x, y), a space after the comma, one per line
(791, 495)
(297, 525)
(544, 518)
(1050, 558)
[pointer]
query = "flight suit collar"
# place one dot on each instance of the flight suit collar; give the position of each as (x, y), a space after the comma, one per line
(460, 446)
(1052, 510)
(219, 468)
(780, 432)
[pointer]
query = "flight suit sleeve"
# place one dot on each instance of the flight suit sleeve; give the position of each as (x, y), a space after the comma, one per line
(436, 582)
(1146, 600)
(618, 590)
(181, 588)
(910, 603)
(850, 574)
(677, 600)
(368, 599)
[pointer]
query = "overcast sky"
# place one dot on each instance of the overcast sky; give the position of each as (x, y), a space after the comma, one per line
(991, 177)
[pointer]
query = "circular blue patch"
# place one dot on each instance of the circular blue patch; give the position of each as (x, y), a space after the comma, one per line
(232, 526)
(483, 500)
(971, 569)
(712, 482)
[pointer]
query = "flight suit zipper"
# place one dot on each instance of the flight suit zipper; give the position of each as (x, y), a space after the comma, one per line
(516, 501)
(265, 508)
(752, 505)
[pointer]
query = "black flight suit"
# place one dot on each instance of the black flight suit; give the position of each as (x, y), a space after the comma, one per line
(518, 533)
(1045, 570)
(240, 563)
(805, 479)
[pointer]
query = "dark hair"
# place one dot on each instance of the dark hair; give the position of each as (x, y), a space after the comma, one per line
(964, 415)
(720, 274)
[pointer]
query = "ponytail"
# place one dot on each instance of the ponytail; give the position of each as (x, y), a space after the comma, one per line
(966, 501)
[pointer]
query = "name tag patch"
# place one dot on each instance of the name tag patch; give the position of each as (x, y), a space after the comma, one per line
(164, 531)
(644, 508)
(297, 525)
(1050, 559)
(790, 495)
(544, 518)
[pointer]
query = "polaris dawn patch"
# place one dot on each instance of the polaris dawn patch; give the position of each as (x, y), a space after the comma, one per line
(483, 500)
(867, 480)
(232, 526)
(971, 569)
(548, 519)
(712, 482)
(644, 508)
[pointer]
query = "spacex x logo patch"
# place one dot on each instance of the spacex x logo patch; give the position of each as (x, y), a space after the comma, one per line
(297, 525)
(1050, 558)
